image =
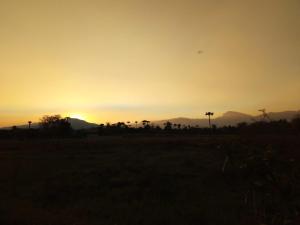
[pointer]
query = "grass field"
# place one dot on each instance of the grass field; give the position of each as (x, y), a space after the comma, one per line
(151, 180)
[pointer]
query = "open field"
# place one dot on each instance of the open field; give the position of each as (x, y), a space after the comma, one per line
(151, 180)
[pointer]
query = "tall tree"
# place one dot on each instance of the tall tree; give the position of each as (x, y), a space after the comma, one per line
(29, 124)
(209, 114)
(55, 125)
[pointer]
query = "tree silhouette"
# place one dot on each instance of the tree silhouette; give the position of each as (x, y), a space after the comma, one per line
(146, 123)
(296, 123)
(68, 119)
(47, 122)
(168, 125)
(265, 115)
(29, 124)
(55, 125)
(121, 125)
(209, 114)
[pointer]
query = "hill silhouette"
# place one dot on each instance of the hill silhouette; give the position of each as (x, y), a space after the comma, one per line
(228, 118)
(76, 124)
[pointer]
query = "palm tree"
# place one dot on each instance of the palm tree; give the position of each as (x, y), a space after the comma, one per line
(145, 123)
(209, 114)
(29, 124)
(168, 125)
(136, 122)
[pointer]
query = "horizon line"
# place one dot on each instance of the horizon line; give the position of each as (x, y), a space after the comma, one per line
(155, 120)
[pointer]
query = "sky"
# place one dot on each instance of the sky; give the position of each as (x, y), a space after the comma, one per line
(107, 61)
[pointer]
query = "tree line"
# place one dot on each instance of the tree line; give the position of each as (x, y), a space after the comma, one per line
(57, 126)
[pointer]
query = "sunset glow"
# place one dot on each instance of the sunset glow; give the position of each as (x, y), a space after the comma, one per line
(78, 116)
(134, 60)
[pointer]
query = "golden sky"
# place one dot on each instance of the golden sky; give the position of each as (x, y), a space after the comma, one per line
(138, 59)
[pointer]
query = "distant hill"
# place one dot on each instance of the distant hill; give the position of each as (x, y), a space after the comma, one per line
(76, 124)
(229, 118)
(288, 115)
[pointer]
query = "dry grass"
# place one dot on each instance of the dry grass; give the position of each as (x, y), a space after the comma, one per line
(150, 180)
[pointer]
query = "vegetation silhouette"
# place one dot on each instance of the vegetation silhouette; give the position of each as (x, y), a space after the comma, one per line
(119, 170)
(209, 114)
(265, 115)
(56, 126)
(168, 126)
(29, 124)
(148, 179)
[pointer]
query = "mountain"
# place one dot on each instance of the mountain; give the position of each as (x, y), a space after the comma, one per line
(232, 118)
(288, 115)
(76, 124)
(229, 118)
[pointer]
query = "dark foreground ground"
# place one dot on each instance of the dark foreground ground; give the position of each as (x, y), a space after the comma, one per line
(151, 180)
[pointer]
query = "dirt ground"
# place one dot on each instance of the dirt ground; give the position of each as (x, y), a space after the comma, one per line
(151, 180)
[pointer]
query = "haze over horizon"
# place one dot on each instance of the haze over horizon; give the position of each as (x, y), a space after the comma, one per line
(132, 60)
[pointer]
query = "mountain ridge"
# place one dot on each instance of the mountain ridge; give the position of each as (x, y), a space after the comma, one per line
(76, 124)
(228, 118)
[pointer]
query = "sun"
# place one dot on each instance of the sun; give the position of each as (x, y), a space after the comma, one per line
(77, 116)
